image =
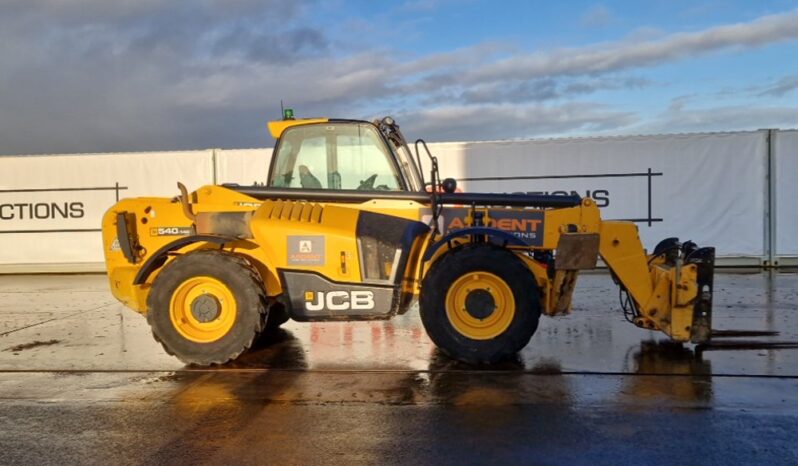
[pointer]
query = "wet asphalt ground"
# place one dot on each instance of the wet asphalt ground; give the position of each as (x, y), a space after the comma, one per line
(83, 382)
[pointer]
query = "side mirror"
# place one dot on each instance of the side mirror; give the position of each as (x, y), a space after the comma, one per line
(449, 185)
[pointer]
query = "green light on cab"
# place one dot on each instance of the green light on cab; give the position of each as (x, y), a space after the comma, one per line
(288, 114)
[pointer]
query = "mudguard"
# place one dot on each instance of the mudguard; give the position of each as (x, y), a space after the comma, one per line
(159, 257)
(508, 238)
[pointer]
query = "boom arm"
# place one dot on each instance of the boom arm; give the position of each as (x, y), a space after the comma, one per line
(622, 251)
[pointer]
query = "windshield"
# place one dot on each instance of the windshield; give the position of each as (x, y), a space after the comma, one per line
(334, 156)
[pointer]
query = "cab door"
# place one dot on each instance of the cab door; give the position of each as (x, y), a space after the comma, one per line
(349, 157)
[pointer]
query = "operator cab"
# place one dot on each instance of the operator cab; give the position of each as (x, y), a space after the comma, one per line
(341, 155)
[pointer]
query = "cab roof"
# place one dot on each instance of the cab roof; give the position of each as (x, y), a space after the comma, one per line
(276, 128)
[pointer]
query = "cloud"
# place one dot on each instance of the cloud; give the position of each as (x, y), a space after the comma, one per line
(157, 28)
(255, 45)
(93, 75)
(680, 118)
(634, 54)
(124, 76)
(596, 17)
(415, 6)
(544, 89)
(780, 88)
(525, 91)
(510, 121)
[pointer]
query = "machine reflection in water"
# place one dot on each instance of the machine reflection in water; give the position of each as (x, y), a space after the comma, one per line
(668, 370)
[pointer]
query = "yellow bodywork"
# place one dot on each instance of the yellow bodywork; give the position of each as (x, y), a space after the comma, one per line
(272, 222)
(276, 128)
(664, 295)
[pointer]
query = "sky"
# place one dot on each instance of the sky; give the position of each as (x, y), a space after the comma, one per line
(106, 76)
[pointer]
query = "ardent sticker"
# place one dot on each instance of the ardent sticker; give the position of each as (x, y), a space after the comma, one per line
(306, 250)
(524, 224)
(115, 245)
(170, 231)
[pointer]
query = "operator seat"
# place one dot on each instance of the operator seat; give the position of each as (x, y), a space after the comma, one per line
(307, 180)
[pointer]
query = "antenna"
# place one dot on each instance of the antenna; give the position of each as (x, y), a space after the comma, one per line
(282, 109)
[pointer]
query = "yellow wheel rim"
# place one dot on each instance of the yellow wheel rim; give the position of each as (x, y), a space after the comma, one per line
(203, 309)
(480, 305)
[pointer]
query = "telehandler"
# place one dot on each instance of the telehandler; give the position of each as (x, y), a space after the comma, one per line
(348, 228)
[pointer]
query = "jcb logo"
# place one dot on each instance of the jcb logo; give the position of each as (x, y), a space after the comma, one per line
(338, 300)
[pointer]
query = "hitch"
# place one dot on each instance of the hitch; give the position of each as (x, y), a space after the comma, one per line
(675, 296)
(704, 258)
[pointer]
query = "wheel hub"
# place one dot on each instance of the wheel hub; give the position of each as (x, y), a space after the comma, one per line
(480, 304)
(205, 308)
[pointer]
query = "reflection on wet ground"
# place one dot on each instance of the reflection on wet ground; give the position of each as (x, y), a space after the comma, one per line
(81, 380)
(72, 323)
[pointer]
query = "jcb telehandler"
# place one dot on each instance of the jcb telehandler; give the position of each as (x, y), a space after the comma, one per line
(348, 228)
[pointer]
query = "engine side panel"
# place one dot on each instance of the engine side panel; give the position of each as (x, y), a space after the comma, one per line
(309, 296)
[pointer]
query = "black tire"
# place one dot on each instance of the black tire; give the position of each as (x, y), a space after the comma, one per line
(247, 290)
(469, 259)
(278, 315)
(271, 333)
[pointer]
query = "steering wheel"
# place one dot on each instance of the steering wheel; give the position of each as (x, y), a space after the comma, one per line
(368, 183)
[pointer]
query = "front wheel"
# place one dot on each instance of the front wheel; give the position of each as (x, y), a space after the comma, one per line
(479, 304)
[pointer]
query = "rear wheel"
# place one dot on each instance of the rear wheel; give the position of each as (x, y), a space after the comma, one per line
(479, 304)
(207, 307)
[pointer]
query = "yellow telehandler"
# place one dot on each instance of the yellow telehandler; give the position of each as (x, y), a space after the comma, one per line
(348, 228)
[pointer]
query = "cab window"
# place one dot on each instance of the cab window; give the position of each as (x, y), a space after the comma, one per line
(348, 156)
